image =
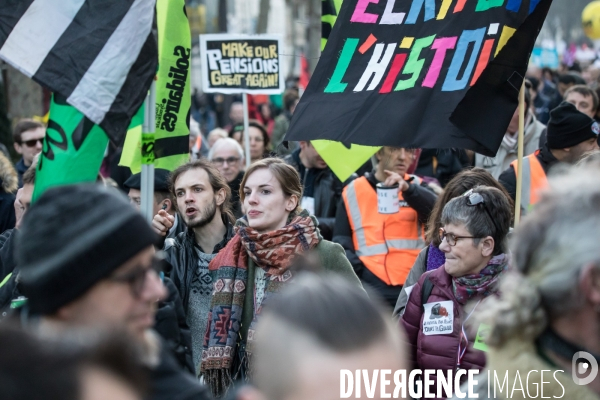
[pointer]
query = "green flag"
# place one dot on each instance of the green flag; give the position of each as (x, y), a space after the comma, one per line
(73, 148)
(132, 148)
(173, 96)
(329, 12)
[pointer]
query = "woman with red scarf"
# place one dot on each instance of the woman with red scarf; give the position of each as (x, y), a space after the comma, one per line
(255, 264)
(437, 315)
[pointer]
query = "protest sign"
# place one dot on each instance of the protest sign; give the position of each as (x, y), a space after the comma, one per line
(241, 64)
(420, 73)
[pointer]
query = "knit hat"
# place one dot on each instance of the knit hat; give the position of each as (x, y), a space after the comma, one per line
(73, 237)
(569, 127)
(161, 180)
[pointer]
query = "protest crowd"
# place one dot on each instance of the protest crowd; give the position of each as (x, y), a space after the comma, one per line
(266, 279)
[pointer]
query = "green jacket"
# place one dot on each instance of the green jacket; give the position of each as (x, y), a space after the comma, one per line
(333, 260)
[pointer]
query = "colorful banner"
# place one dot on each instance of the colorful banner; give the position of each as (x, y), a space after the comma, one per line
(73, 148)
(343, 161)
(173, 96)
(420, 73)
(241, 64)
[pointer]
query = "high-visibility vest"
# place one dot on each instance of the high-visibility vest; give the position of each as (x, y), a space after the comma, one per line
(387, 244)
(534, 179)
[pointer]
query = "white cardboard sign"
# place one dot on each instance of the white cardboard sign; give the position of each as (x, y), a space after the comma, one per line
(438, 318)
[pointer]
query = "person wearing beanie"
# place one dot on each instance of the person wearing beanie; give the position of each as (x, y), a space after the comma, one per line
(570, 135)
(162, 197)
(87, 260)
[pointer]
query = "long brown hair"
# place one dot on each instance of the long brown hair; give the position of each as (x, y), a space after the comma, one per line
(463, 181)
(286, 175)
(217, 182)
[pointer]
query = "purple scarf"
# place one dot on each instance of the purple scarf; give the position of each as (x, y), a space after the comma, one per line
(481, 284)
(435, 257)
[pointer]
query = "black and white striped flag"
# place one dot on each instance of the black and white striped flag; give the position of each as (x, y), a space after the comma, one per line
(99, 54)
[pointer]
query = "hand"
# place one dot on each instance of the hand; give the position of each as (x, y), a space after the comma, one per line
(162, 222)
(19, 208)
(395, 178)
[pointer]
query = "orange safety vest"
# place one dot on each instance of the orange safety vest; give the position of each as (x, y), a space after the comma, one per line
(387, 244)
(534, 179)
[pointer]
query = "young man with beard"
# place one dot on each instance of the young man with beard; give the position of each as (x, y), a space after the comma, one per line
(204, 202)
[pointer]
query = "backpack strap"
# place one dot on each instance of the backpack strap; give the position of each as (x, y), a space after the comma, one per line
(426, 290)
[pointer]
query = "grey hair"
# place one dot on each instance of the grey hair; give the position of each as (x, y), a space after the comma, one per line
(550, 249)
(477, 221)
(223, 142)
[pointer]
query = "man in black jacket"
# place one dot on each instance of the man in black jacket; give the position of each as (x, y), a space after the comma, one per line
(162, 197)
(570, 134)
(322, 190)
(204, 202)
(97, 270)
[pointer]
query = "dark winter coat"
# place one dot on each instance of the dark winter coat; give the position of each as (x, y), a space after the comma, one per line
(183, 258)
(8, 268)
(438, 351)
(172, 327)
(168, 381)
(327, 193)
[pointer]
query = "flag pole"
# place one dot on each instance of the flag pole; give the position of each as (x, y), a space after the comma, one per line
(246, 129)
(147, 179)
(520, 153)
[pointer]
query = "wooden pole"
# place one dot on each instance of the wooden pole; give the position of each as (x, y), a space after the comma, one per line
(246, 130)
(520, 153)
(147, 178)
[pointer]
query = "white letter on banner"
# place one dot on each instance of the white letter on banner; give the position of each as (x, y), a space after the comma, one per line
(427, 382)
(389, 17)
(225, 67)
(472, 383)
(384, 383)
(376, 67)
(400, 384)
(213, 57)
(346, 393)
(459, 373)
(412, 385)
(370, 385)
(444, 383)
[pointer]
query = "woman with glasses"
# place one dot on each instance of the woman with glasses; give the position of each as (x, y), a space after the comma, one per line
(256, 263)
(431, 257)
(473, 233)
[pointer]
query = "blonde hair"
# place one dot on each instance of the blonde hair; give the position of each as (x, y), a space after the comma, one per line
(550, 248)
(286, 175)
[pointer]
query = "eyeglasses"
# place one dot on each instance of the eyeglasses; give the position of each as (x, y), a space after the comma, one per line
(474, 199)
(136, 278)
(229, 160)
(33, 142)
(451, 238)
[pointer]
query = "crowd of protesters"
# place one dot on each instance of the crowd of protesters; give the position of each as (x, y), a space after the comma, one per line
(264, 282)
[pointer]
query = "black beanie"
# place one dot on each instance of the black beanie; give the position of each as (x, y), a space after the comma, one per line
(161, 180)
(73, 237)
(568, 127)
